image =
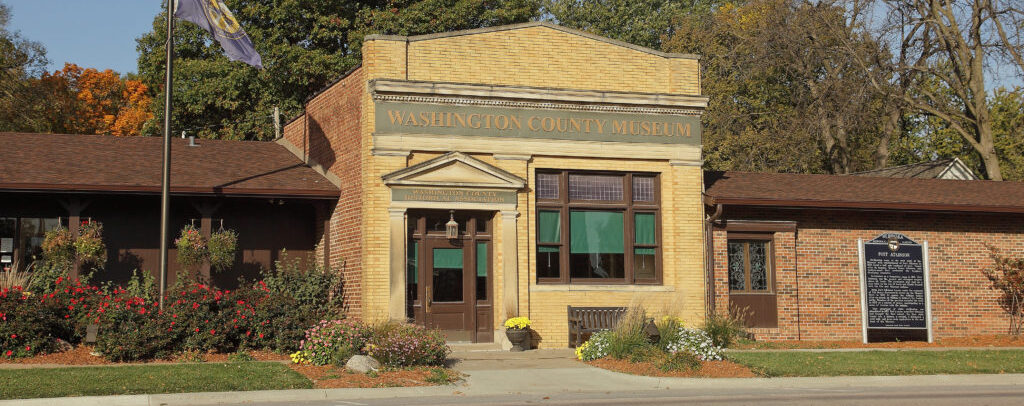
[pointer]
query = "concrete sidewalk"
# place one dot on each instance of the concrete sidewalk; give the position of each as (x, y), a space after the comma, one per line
(540, 372)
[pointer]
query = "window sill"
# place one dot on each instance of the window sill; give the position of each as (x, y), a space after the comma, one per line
(601, 288)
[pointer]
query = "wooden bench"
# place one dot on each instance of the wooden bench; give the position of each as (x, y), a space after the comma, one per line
(589, 320)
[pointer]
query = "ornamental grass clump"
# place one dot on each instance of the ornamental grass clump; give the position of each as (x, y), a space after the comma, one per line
(332, 342)
(401, 345)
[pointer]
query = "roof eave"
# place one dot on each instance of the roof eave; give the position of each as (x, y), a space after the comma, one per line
(177, 191)
(861, 205)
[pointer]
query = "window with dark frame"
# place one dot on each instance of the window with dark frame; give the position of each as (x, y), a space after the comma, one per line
(598, 227)
(750, 265)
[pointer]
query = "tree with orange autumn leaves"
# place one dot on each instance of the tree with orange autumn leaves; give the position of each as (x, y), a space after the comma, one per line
(89, 101)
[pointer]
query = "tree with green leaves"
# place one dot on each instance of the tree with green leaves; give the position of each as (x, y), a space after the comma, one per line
(21, 105)
(639, 22)
(785, 95)
(305, 45)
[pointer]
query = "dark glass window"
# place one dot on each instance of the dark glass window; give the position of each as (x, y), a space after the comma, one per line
(749, 265)
(447, 274)
(481, 270)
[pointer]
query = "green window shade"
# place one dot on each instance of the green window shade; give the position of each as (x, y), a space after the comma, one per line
(448, 258)
(547, 249)
(644, 251)
(411, 265)
(644, 224)
(596, 232)
(481, 259)
(549, 227)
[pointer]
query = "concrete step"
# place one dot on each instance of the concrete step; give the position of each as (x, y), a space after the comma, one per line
(461, 346)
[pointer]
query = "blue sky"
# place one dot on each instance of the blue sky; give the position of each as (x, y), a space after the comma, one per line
(91, 33)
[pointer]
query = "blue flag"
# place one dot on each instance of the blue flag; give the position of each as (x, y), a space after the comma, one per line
(214, 16)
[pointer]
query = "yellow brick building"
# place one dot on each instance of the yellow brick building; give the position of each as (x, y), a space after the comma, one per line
(513, 170)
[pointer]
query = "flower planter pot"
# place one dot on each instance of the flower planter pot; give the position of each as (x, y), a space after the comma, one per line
(520, 339)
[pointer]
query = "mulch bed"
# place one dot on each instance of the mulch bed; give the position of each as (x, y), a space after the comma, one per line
(329, 376)
(708, 369)
(980, 341)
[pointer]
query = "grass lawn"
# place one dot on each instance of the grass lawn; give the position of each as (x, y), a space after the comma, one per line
(127, 380)
(792, 363)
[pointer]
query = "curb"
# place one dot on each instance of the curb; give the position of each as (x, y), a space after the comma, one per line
(867, 349)
(208, 398)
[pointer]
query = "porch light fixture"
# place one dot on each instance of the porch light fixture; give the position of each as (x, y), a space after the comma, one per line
(452, 227)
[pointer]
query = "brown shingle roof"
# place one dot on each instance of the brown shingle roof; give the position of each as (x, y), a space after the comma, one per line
(777, 189)
(923, 170)
(133, 165)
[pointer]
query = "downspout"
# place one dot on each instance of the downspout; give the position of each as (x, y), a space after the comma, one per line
(796, 277)
(709, 255)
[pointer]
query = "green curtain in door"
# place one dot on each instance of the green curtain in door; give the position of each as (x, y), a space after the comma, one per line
(448, 258)
(481, 259)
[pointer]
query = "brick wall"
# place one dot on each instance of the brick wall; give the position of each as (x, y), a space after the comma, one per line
(817, 268)
(328, 135)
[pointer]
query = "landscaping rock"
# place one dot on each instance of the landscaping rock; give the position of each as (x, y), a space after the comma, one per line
(63, 346)
(362, 364)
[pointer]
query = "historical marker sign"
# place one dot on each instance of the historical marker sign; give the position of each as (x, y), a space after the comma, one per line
(895, 283)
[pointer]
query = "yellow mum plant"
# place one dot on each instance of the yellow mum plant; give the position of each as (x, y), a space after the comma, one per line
(518, 323)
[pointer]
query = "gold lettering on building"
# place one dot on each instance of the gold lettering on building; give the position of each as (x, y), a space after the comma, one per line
(456, 195)
(539, 123)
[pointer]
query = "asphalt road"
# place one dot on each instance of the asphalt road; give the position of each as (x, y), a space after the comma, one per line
(949, 395)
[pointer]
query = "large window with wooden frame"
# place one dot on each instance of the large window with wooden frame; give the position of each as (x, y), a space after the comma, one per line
(598, 227)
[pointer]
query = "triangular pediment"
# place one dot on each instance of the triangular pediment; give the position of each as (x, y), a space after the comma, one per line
(455, 169)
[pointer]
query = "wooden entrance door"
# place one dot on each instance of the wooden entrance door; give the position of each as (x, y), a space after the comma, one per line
(450, 279)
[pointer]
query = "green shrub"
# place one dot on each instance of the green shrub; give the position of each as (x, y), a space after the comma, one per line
(679, 361)
(312, 287)
(137, 339)
(668, 331)
(400, 345)
(724, 329)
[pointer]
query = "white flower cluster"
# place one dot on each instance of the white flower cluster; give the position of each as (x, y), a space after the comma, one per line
(596, 347)
(696, 341)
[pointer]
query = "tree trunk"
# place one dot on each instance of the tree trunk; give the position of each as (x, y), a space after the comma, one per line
(890, 127)
(988, 153)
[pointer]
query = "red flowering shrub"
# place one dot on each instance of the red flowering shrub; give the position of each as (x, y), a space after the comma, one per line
(131, 327)
(407, 345)
(26, 328)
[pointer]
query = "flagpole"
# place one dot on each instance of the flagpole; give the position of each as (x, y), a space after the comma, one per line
(165, 199)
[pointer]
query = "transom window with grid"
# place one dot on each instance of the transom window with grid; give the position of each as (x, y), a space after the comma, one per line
(750, 264)
(598, 227)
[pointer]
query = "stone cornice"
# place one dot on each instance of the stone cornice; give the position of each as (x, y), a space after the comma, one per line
(532, 97)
